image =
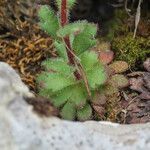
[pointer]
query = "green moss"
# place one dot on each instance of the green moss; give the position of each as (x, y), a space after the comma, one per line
(131, 50)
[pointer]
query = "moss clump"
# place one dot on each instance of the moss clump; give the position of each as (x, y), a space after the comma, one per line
(131, 50)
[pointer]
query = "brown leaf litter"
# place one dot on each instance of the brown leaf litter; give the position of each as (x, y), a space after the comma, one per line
(136, 106)
(25, 54)
(24, 46)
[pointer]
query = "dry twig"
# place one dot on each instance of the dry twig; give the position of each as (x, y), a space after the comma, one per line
(137, 17)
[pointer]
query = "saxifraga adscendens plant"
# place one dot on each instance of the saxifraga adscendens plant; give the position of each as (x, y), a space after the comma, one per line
(70, 80)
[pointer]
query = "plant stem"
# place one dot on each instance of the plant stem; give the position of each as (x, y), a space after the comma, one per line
(64, 21)
(63, 14)
(70, 55)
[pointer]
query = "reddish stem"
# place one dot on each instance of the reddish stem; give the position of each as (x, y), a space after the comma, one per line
(70, 55)
(64, 15)
(64, 21)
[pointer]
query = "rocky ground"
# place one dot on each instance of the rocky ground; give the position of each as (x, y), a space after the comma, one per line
(24, 46)
(27, 120)
(21, 128)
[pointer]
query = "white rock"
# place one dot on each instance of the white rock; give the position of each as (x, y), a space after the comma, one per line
(22, 129)
(11, 84)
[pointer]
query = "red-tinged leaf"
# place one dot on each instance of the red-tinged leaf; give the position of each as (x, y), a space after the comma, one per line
(106, 56)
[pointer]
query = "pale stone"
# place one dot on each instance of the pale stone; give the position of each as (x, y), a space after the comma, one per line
(11, 84)
(22, 129)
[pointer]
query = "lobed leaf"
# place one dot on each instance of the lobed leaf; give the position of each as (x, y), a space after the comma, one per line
(85, 40)
(58, 65)
(78, 95)
(71, 28)
(75, 93)
(85, 113)
(88, 60)
(94, 70)
(62, 96)
(61, 50)
(68, 112)
(48, 20)
(96, 76)
(55, 81)
(45, 92)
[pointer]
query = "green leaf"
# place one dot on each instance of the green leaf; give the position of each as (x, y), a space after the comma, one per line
(60, 97)
(94, 70)
(85, 113)
(75, 93)
(85, 40)
(58, 65)
(96, 76)
(68, 112)
(78, 95)
(55, 81)
(72, 38)
(88, 59)
(44, 92)
(48, 20)
(70, 3)
(61, 50)
(71, 28)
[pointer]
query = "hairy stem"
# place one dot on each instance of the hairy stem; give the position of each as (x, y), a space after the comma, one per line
(64, 13)
(68, 46)
(64, 21)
